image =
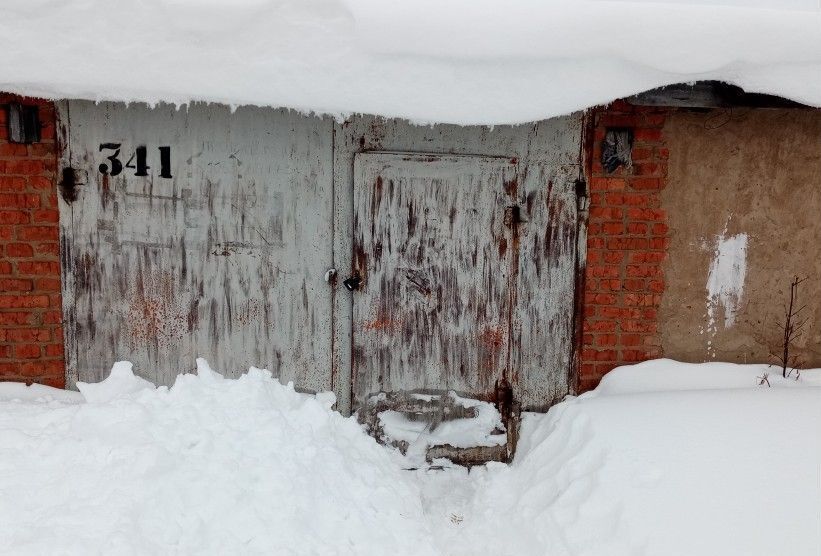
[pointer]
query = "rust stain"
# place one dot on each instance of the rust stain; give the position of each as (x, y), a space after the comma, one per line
(249, 311)
(105, 194)
(377, 132)
(492, 337)
(153, 316)
(360, 261)
(509, 374)
(512, 187)
(386, 324)
(502, 247)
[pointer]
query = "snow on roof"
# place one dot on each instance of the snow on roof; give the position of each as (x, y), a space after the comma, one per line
(461, 61)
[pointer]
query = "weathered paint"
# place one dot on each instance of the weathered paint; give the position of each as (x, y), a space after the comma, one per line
(227, 259)
(433, 310)
(547, 154)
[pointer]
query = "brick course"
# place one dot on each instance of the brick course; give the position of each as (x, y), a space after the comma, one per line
(31, 334)
(626, 246)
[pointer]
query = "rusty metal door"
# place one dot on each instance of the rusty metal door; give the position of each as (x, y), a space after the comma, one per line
(196, 232)
(434, 251)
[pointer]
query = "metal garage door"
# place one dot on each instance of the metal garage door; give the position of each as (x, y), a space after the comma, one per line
(206, 232)
(196, 232)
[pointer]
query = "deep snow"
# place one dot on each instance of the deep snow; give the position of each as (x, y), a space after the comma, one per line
(663, 458)
(461, 61)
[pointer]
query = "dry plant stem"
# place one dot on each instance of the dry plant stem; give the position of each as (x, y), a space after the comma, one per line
(792, 329)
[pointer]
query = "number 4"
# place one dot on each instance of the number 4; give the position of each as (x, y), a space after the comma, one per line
(142, 166)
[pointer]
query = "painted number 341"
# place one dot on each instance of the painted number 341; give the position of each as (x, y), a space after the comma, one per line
(138, 161)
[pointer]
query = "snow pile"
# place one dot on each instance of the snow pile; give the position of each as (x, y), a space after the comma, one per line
(121, 382)
(663, 458)
(213, 466)
(462, 61)
(661, 375)
(18, 392)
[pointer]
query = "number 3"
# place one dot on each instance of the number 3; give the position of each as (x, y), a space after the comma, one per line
(116, 165)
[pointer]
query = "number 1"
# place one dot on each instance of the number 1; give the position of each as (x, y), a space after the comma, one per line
(165, 162)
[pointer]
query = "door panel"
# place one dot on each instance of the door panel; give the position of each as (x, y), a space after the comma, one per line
(222, 257)
(433, 252)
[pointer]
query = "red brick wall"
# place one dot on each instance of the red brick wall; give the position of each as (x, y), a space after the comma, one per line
(627, 242)
(31, 335)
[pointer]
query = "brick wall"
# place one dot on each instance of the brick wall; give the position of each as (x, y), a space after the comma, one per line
(627, 242)
(31, 336)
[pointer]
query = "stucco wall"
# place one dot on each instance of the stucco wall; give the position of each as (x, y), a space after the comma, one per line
(731, 173)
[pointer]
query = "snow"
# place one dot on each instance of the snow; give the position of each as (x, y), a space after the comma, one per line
(121, 381)
(662, 375)
(485, 429)
(209, 466)
(463, 61)
(17, 391)
(663, 458)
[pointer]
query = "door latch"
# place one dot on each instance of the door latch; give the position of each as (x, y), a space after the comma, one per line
(71, 178)
(352, 283)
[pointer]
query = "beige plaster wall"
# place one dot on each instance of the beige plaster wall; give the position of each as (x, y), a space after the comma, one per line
(734, 172)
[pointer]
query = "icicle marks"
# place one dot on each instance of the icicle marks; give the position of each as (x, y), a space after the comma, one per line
(725, 282)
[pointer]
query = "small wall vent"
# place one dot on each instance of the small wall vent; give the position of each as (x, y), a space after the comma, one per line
(615, 149)
(23, 123)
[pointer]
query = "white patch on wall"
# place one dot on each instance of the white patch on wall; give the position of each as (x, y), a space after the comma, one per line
(725, 283)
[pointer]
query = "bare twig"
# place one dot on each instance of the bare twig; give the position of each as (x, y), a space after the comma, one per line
(791, 330)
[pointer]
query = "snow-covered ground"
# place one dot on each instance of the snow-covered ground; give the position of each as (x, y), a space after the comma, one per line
(460, 61)
(662, 459)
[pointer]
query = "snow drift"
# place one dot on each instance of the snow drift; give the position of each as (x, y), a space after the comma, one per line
(664, 458)
(210, 465)
(463, 61)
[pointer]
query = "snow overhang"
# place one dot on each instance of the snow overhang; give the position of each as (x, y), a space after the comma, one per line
(464, 61)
